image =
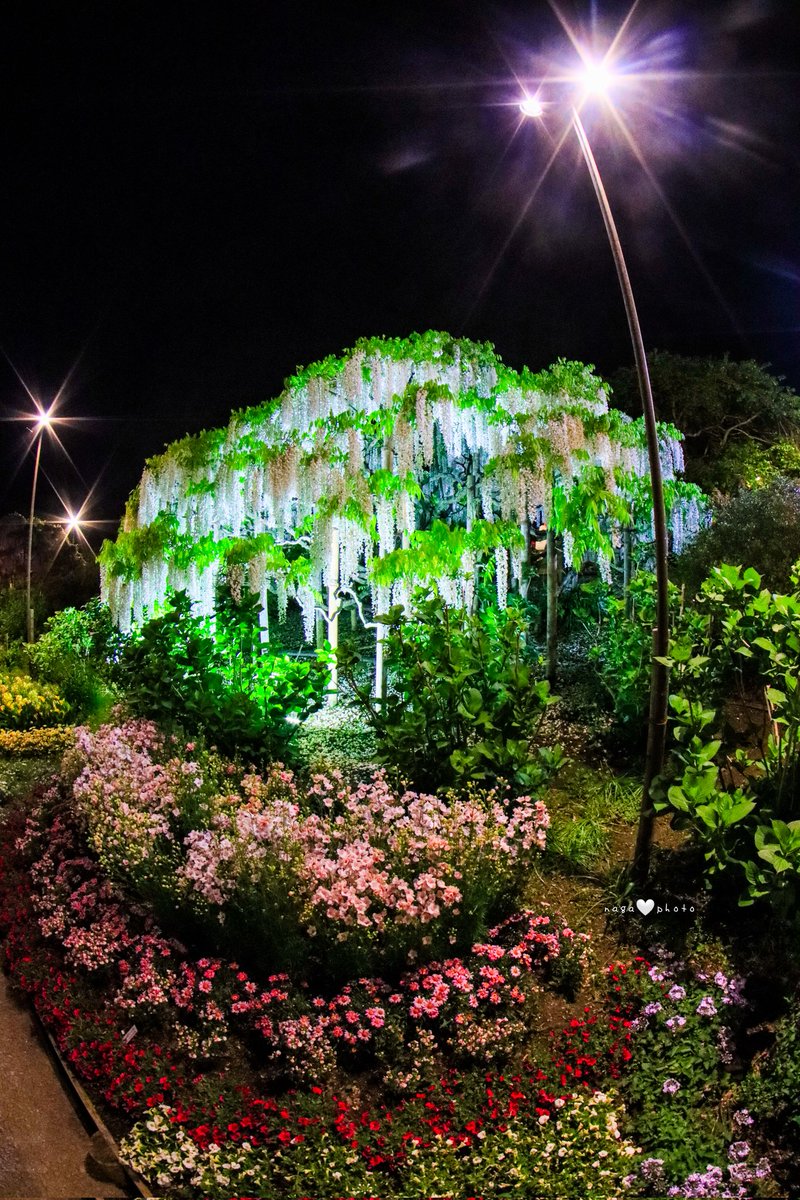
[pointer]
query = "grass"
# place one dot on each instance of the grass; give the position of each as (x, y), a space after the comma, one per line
(586, 805)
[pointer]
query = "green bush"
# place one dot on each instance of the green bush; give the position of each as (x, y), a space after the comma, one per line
(13, 613)
(230, 687)
(759, 528)
(74, 653)
(754, 465)
(772, 1092)
(742, 803)
(464, 703)
(623, 650)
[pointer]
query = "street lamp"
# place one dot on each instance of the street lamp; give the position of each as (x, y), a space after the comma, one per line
(73, 523)
(596, 79)
(43, 423)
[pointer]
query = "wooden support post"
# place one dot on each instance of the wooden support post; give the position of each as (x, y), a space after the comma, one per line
(263, 615)
(380, 630)
(525, 577)
(333, 610)
(627, 564)
(552, 607)
(380, 670)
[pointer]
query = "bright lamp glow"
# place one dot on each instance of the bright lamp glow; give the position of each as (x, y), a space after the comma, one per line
(73, 523)
(596, 78)
(531, 106)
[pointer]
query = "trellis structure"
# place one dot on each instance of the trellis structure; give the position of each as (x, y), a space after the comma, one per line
(319, 491)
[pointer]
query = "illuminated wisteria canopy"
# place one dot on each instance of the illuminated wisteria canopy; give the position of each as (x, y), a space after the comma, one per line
(403, 462)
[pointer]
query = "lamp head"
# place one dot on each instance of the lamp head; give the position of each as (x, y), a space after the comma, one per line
(531, 106)
(596, 77)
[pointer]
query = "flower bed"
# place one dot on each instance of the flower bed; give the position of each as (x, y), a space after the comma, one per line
(336, 881)
(224, 1079)
(25, 704)
(36, 742)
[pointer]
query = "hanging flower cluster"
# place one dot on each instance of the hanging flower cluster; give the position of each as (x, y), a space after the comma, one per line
(336, 467)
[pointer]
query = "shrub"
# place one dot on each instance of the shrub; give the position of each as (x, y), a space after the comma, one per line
(73, 653)
(14, 612)
(759, 528)
(745, 817)
(229, 687)
(624, 647)
(773, 1091)
(753, 465)
(464, 703)
(25, 704)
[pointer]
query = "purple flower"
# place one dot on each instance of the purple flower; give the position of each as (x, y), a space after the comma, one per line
(676, 1022)
(652, 1169)
(671, 1086)
(738, 1150)
(762, 1169)
(706, 1007)
(651, 1009)
(676, 992)
(733, 995)
(742, 1117)
(721, 980)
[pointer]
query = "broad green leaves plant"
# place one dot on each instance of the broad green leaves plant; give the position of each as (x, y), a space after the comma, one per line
(465, 703)
(741, 803)
(230, 688)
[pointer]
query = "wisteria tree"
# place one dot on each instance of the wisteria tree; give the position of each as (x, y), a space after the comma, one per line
(405, 462)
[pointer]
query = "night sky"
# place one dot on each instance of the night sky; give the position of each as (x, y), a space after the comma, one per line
(198, 197)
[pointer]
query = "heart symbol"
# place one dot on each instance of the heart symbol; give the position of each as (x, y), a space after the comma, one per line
(645, 906)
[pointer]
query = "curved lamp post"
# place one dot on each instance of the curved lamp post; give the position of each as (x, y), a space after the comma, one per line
(43, 421)
(596, 78)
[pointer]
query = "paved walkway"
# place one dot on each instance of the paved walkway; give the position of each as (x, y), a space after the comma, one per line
(43, 1143)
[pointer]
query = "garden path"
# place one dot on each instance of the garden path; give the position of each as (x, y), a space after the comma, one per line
(43, 1144)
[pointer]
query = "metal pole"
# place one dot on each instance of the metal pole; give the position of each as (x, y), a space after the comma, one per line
(657, 728)
(29, 607)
